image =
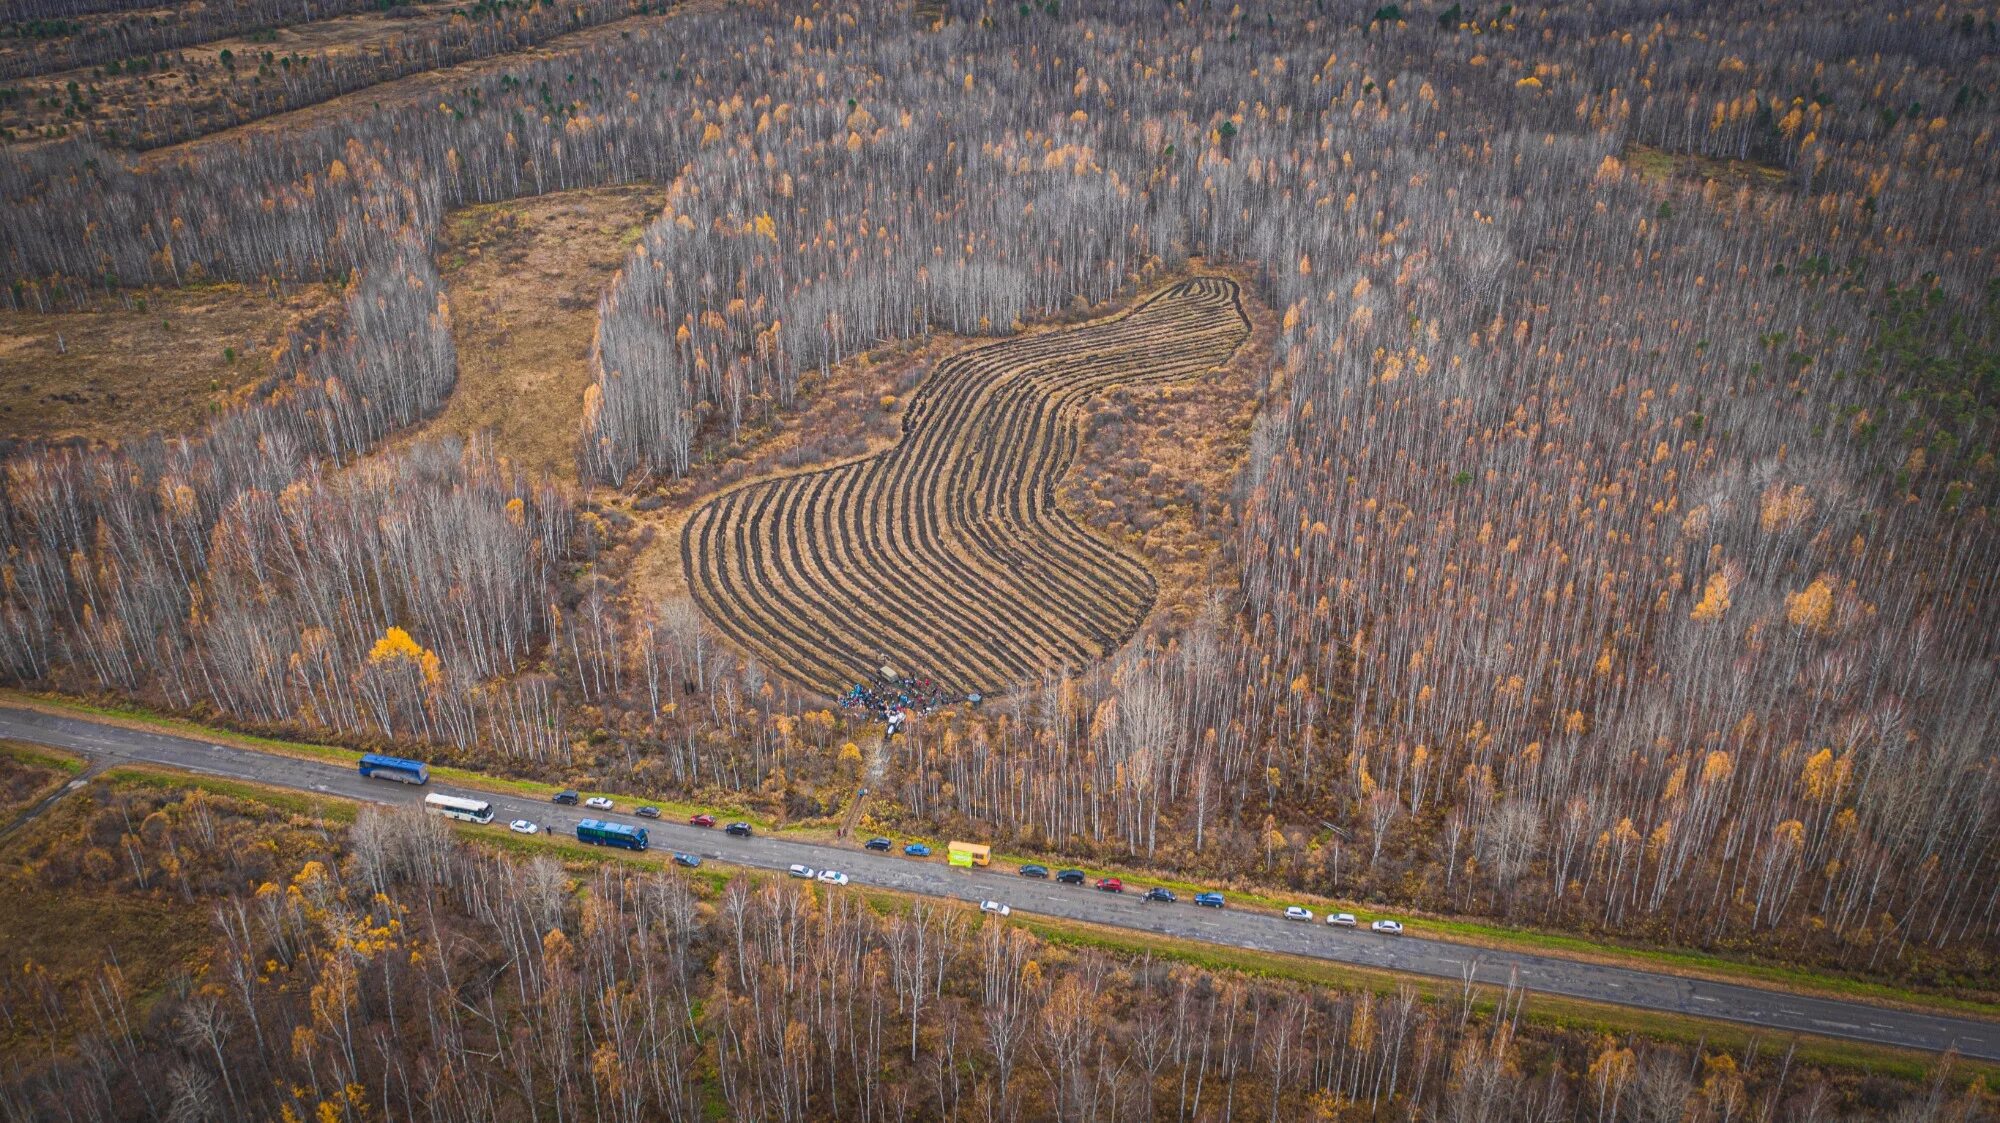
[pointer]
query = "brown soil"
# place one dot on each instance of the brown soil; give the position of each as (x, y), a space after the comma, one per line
(1193, 435)
(523, 279)
(838, 418)
(1153, 476)
(157, 362)
(1159, 463)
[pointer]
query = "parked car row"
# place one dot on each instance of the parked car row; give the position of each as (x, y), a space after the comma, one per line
(879, 844)
(829, 877)
(1211, 900)
(1345, 920)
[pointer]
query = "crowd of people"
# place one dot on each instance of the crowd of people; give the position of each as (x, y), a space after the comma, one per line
(897, 698)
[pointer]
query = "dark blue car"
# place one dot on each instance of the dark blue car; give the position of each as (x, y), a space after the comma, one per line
(917, 850)
(1209, 900)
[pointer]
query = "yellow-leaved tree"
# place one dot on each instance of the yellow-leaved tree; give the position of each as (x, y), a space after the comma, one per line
(396, 646)
(1811, 608)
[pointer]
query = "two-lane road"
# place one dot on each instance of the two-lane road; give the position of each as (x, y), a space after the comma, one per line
(1770, 1009)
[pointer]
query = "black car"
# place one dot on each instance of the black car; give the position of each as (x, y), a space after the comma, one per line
(1070, 877)
(688, 860)
(740, 830)
(882, 844)
(1034, 871)
(1157, 894)
(566, 796)
(647, 812)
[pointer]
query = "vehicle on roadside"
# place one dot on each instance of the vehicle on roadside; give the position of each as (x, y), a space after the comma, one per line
(1033, 871)
(737, 829)
(1209, 900)
(1110, 885)
(878, 843)
(917, 850)
(1298, 912)
(1387, 927)
(1070, 877)
(375, 766)
(598, 803)
(833, 877)
(966, 855)
(1157, 893)
(598, 833)
(566, 797)
(996, 908)
(523, 826)
(702, 820)
(806, 872)
(456, 807)
(647, 812)
(688, 860)
(1340, 919)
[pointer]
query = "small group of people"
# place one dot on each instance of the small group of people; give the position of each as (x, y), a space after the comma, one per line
(896, 698)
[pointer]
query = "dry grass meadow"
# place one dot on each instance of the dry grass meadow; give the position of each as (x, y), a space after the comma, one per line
(160, 361)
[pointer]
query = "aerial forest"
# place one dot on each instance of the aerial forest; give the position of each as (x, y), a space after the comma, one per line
(1613, 549)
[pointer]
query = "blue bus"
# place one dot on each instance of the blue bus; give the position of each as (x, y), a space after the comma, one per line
(378, 767)
(600, 833)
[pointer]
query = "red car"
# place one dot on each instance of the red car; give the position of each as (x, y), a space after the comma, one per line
(702, 821)
(1110, 885)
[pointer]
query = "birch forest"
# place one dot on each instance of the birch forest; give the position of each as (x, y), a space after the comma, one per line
(388, 971)
(1613, 550)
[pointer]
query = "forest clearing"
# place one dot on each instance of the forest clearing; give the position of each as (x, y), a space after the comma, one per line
(161, 359)
(946, 555)
(523, 279)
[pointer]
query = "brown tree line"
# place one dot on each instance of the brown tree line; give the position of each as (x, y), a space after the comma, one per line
(215, 93)
(256, 571)
(1616, 552)
(97, 33)
(393, 971)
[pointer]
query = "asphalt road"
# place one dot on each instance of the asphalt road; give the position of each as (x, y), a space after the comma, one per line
(1773, 1010)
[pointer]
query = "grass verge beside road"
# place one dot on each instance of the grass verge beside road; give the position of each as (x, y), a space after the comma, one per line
(1544, 1009)
(150, 722)
(1692, 964)
(1554, 1012)
(42, 756)
(1472, 933)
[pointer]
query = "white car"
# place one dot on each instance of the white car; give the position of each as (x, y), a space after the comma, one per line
(1298, 912)
(1340, 919)
(996, 908)
(522, 826)
(599, 802)
(1387, 927)
(833, 877)
(806, 872)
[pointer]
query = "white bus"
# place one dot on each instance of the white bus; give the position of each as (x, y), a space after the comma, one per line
(452, 807)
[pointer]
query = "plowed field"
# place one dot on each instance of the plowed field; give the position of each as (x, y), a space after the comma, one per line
(947, 554)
